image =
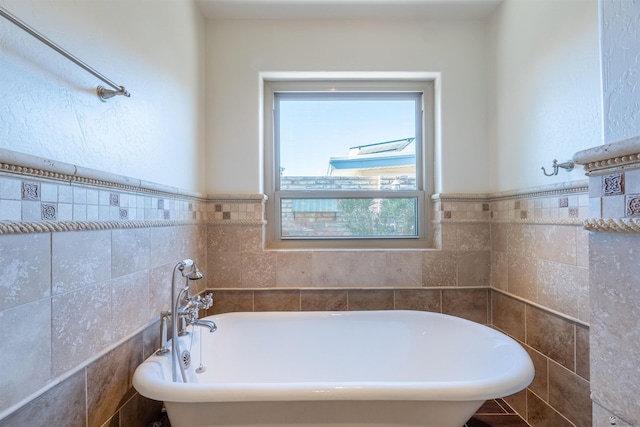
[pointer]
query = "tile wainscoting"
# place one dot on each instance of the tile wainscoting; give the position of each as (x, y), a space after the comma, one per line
(539, 281)
(93, 286)
(614, 200)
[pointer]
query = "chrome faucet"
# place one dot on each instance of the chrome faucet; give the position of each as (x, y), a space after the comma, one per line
(205, 324)
(185, 311)
(164, 318)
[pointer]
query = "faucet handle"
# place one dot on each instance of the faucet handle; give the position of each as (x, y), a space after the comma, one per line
(207, 301)
(203, 303)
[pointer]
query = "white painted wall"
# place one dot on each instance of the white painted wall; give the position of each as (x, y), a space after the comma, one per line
(546, 89)
(48, 105)
(238, 50)
(620, 69)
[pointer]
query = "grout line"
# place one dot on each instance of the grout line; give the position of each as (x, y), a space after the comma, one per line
(575, 349)
(86, 397)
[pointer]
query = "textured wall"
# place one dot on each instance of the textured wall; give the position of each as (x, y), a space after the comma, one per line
(48, 105)
(620, 69)
(238, 51)
(544, 89)
(615, 302)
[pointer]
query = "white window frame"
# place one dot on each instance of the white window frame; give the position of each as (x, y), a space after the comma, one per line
(425, 165)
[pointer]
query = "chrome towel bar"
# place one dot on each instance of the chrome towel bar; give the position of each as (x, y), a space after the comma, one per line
(103, 93)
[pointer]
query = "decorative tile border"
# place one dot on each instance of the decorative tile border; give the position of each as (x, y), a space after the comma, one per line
(36, 189)
(610, 158)
(81, 207)
(614, 186)
(613, 163)
(14, 163)
(565, 204)
(236, 209)
(23, 227)
(613, 225)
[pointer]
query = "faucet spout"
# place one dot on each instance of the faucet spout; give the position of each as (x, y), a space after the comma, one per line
(209, 324)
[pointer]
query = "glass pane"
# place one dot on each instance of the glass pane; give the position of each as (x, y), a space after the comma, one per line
(362, 141)
(349, 218)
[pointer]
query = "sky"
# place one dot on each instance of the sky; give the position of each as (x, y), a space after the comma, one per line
(312, 131)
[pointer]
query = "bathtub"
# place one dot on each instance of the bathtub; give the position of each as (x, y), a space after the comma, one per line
(362, 368)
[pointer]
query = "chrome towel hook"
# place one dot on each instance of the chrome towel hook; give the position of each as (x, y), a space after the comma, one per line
(568, 165)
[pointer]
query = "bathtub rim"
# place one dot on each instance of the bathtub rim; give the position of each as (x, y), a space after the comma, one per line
(148, 380)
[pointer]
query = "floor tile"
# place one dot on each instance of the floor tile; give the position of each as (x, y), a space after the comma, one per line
(496, 413)
(491, 407)
(504, 420)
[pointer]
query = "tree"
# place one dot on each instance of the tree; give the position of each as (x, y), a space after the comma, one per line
(379, 217)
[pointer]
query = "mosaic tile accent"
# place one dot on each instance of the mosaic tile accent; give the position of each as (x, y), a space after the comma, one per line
(633, 205)
(609, 207)
(55, 197)
(30, 191)
(235, 210)
(613, 184)
(543, 208)
(49, 212)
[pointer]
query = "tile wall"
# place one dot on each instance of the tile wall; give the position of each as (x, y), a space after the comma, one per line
(91, 299)
(528, 249)
(25, 198)
(614, 196)
(539, 292)
(472, 304)
(92, 286)
(85, 269)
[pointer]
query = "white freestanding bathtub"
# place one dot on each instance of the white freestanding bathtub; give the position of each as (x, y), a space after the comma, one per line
(362, 368)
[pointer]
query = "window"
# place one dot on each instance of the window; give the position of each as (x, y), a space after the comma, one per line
(345, 163)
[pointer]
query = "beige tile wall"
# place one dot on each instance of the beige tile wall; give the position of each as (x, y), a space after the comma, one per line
(540, 277)
(472, 304)
(544, 264)
(559, 348)
(76, 308)
(92, 296)
(236, 259)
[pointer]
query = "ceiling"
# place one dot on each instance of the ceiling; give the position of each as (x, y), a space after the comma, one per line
(347, 9)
